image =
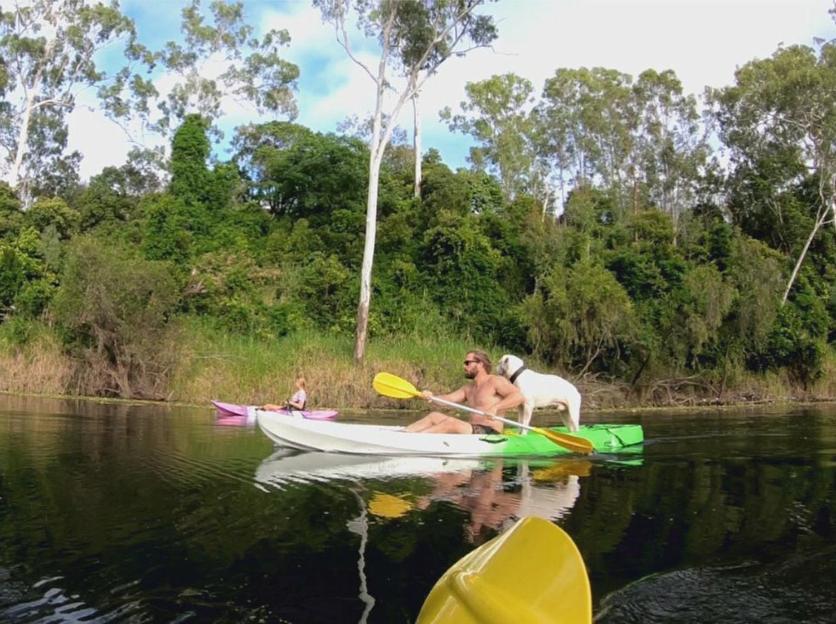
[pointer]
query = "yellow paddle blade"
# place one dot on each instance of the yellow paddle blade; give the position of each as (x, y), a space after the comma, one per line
(393, 386)
(562, 469)
(532, 573)
(388, 506)
(573, 443)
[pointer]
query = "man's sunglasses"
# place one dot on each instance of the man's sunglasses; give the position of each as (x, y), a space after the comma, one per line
(469, 362)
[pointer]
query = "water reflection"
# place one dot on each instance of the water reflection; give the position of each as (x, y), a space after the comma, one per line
(223, 420)
(233, 415)
(360, 526)
(493, 493)
(796, 588)
(286, 466)
(129, 513)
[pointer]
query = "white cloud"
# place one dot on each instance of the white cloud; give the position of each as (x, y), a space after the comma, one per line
(703, 41)
(305, 26)
(331, 86)
(101, 142)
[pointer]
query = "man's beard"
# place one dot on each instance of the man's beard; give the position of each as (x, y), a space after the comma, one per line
(469, 374)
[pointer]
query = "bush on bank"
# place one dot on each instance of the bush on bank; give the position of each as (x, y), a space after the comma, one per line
(236, 275)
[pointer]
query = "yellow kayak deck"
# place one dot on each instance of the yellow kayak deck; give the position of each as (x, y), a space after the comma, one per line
(531, 574)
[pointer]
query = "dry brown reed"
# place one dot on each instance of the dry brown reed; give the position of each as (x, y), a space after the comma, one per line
(37, 367)
(213, 365)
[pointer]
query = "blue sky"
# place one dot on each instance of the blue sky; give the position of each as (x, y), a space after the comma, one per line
(703, 41)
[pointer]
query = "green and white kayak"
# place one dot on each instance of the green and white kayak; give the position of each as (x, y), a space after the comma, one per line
(338, 437)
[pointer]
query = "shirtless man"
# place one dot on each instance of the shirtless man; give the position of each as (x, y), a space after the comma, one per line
(490, 393)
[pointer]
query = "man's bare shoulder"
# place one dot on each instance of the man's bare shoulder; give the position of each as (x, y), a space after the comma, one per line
(501, 384)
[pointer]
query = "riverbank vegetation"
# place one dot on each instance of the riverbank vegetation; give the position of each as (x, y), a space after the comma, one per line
(610, 230)
(214, 363)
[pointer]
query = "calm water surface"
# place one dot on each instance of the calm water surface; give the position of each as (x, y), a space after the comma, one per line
(123, 513)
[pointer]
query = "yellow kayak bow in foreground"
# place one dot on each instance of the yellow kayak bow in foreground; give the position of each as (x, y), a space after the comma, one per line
(531, 574)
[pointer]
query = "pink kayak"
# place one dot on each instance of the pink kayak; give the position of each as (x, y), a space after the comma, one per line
(227, 410)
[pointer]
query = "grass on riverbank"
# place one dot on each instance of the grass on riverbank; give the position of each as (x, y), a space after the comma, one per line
(212, 364)
(32, 361)
(242, 369)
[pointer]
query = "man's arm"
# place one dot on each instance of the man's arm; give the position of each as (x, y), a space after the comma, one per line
(510, 396)
(456, 396)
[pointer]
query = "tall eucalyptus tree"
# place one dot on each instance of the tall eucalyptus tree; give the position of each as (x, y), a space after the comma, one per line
(779, 121)
(49, 50)
(669, 144)
(414, 37)
(497, 114)
(218, 58)
(641, 140)
(52, 49)
(589, 116)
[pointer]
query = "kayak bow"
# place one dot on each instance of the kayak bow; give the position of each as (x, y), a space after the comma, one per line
(531, 574)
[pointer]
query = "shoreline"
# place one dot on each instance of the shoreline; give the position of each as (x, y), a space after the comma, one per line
(712, 405)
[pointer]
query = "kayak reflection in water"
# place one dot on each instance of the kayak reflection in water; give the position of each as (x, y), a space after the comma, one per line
(486, 392)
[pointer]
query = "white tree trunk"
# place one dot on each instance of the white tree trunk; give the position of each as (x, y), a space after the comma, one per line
(546, 198)
(832, 199)
(377, 145)
(20, 154)
(380, 139)
(368, 257)
(821, 218)
(32, 91)
(416, 143)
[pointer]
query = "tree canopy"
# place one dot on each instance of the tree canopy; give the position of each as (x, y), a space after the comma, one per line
(608, 225)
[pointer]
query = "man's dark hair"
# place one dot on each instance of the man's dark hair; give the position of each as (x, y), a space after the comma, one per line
(484, 358)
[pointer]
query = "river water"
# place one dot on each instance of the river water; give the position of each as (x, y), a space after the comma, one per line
(145, 513)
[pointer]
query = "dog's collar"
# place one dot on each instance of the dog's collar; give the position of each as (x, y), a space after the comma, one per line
(516, 374)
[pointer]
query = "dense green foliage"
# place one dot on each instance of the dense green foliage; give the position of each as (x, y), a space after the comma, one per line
(658, 264)
(112, 306)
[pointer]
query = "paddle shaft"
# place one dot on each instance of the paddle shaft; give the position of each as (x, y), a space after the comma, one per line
(397, 388)
(473, 410)
(578, 445)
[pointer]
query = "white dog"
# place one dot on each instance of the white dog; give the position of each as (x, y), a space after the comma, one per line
(542, 390)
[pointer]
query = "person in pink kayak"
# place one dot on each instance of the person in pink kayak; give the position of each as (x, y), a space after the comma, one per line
(297, 401)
